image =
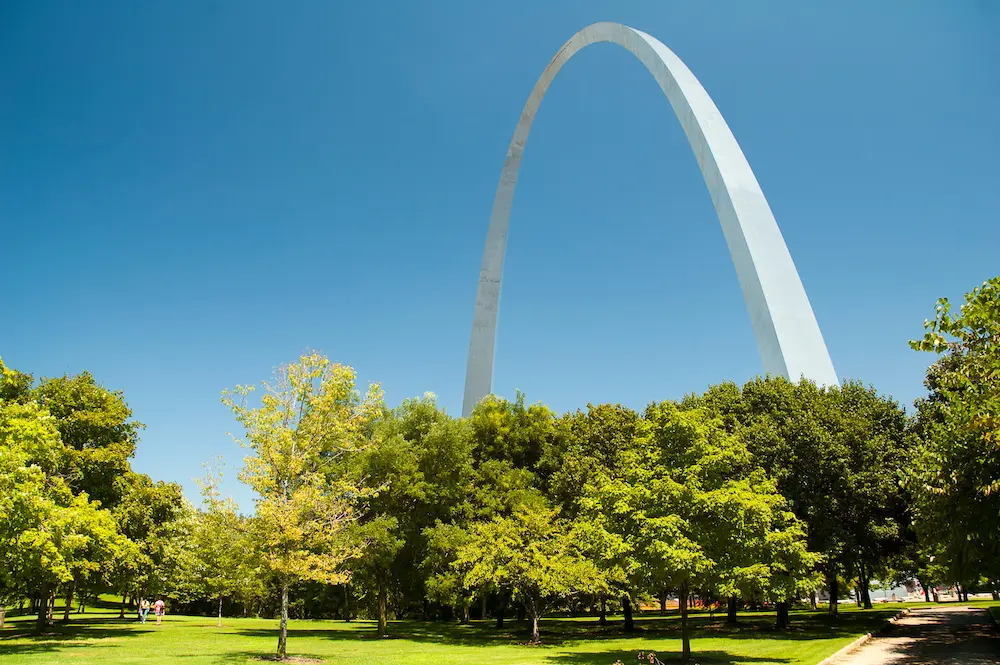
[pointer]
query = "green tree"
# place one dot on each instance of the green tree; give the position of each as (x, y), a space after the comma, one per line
(92, 440)
(512, 431)
(96, 428)
(29, 448)
(222, 545)
(878, 520)
(445, 579)
(309, 419)
(380, 541)
(957, 473)
(839, 456)
(155, 516)
(390, 468)
(532, 555)
(15, 386)
(688, 501)
(420, 462)
(594, 443)
(48, 535)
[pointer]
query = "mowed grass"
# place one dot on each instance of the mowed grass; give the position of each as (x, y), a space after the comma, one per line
(99, 637)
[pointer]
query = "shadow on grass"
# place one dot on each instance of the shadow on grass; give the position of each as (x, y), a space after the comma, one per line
(699, 657)
(556, 632)
(243, 657)
(79, 633)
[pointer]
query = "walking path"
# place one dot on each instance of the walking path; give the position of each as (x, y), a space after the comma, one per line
(941, 635)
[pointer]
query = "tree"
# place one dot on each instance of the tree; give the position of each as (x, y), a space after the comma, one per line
(379, 542)
(957, 474)
(155, 516)
(95, 426)
(15, 386)
(598, 441)
(531, 555)
(446, 579)
(29, 448)
(309, 419)
(839, 455)
(89, 438)
(222, 545)
(688, 501)
(48, 535)
(874, 430)
(511, 431)
(390, 468)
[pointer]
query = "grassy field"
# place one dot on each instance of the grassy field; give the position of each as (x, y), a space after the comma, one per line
(100, 637)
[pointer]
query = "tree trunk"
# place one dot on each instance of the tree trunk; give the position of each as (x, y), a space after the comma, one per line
(220, 610)
(731, 608)
(927, 591)
(283, 625)
(423, 612)
(465, 614)
(347, 603)
(682, 602)
(533, 614)
(782, 621)
(43, 608)
(864, 598)
(483, 608)
(69, 601)
(663, 601)
(121, 615)
(501, 610)
(812, 599)
(51, 604)
(3, 615)
(604, 610)
(627, 610)
(382, 610)
(833, 586)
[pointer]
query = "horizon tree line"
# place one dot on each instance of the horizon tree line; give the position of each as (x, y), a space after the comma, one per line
(747, 495)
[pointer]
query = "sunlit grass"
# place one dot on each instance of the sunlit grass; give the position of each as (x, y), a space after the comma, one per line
(99, 637)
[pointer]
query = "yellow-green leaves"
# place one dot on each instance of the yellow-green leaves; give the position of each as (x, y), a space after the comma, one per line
(310, 418)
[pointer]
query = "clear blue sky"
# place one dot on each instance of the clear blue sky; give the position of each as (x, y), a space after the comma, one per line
(194, 192)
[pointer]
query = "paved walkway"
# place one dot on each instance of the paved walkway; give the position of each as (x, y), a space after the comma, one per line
(941, 635)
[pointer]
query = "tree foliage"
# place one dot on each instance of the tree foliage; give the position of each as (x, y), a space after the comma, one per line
(957, 479)
(309, 419)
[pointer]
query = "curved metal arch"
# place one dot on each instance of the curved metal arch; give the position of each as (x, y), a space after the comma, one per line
(787, 334)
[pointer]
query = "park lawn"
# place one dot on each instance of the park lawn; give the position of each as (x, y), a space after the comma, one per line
(99, 637)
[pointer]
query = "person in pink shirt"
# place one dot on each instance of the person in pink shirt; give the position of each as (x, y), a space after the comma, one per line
(159, 607)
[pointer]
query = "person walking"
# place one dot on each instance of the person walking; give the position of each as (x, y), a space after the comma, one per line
(159, 608)
(143, 610)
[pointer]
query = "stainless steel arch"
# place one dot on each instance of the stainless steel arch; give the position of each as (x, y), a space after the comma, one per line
(787, 334)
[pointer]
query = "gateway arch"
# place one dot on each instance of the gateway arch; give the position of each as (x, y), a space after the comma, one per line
(788, 337)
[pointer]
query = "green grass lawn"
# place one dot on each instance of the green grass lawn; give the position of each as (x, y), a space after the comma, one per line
(100, 637)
